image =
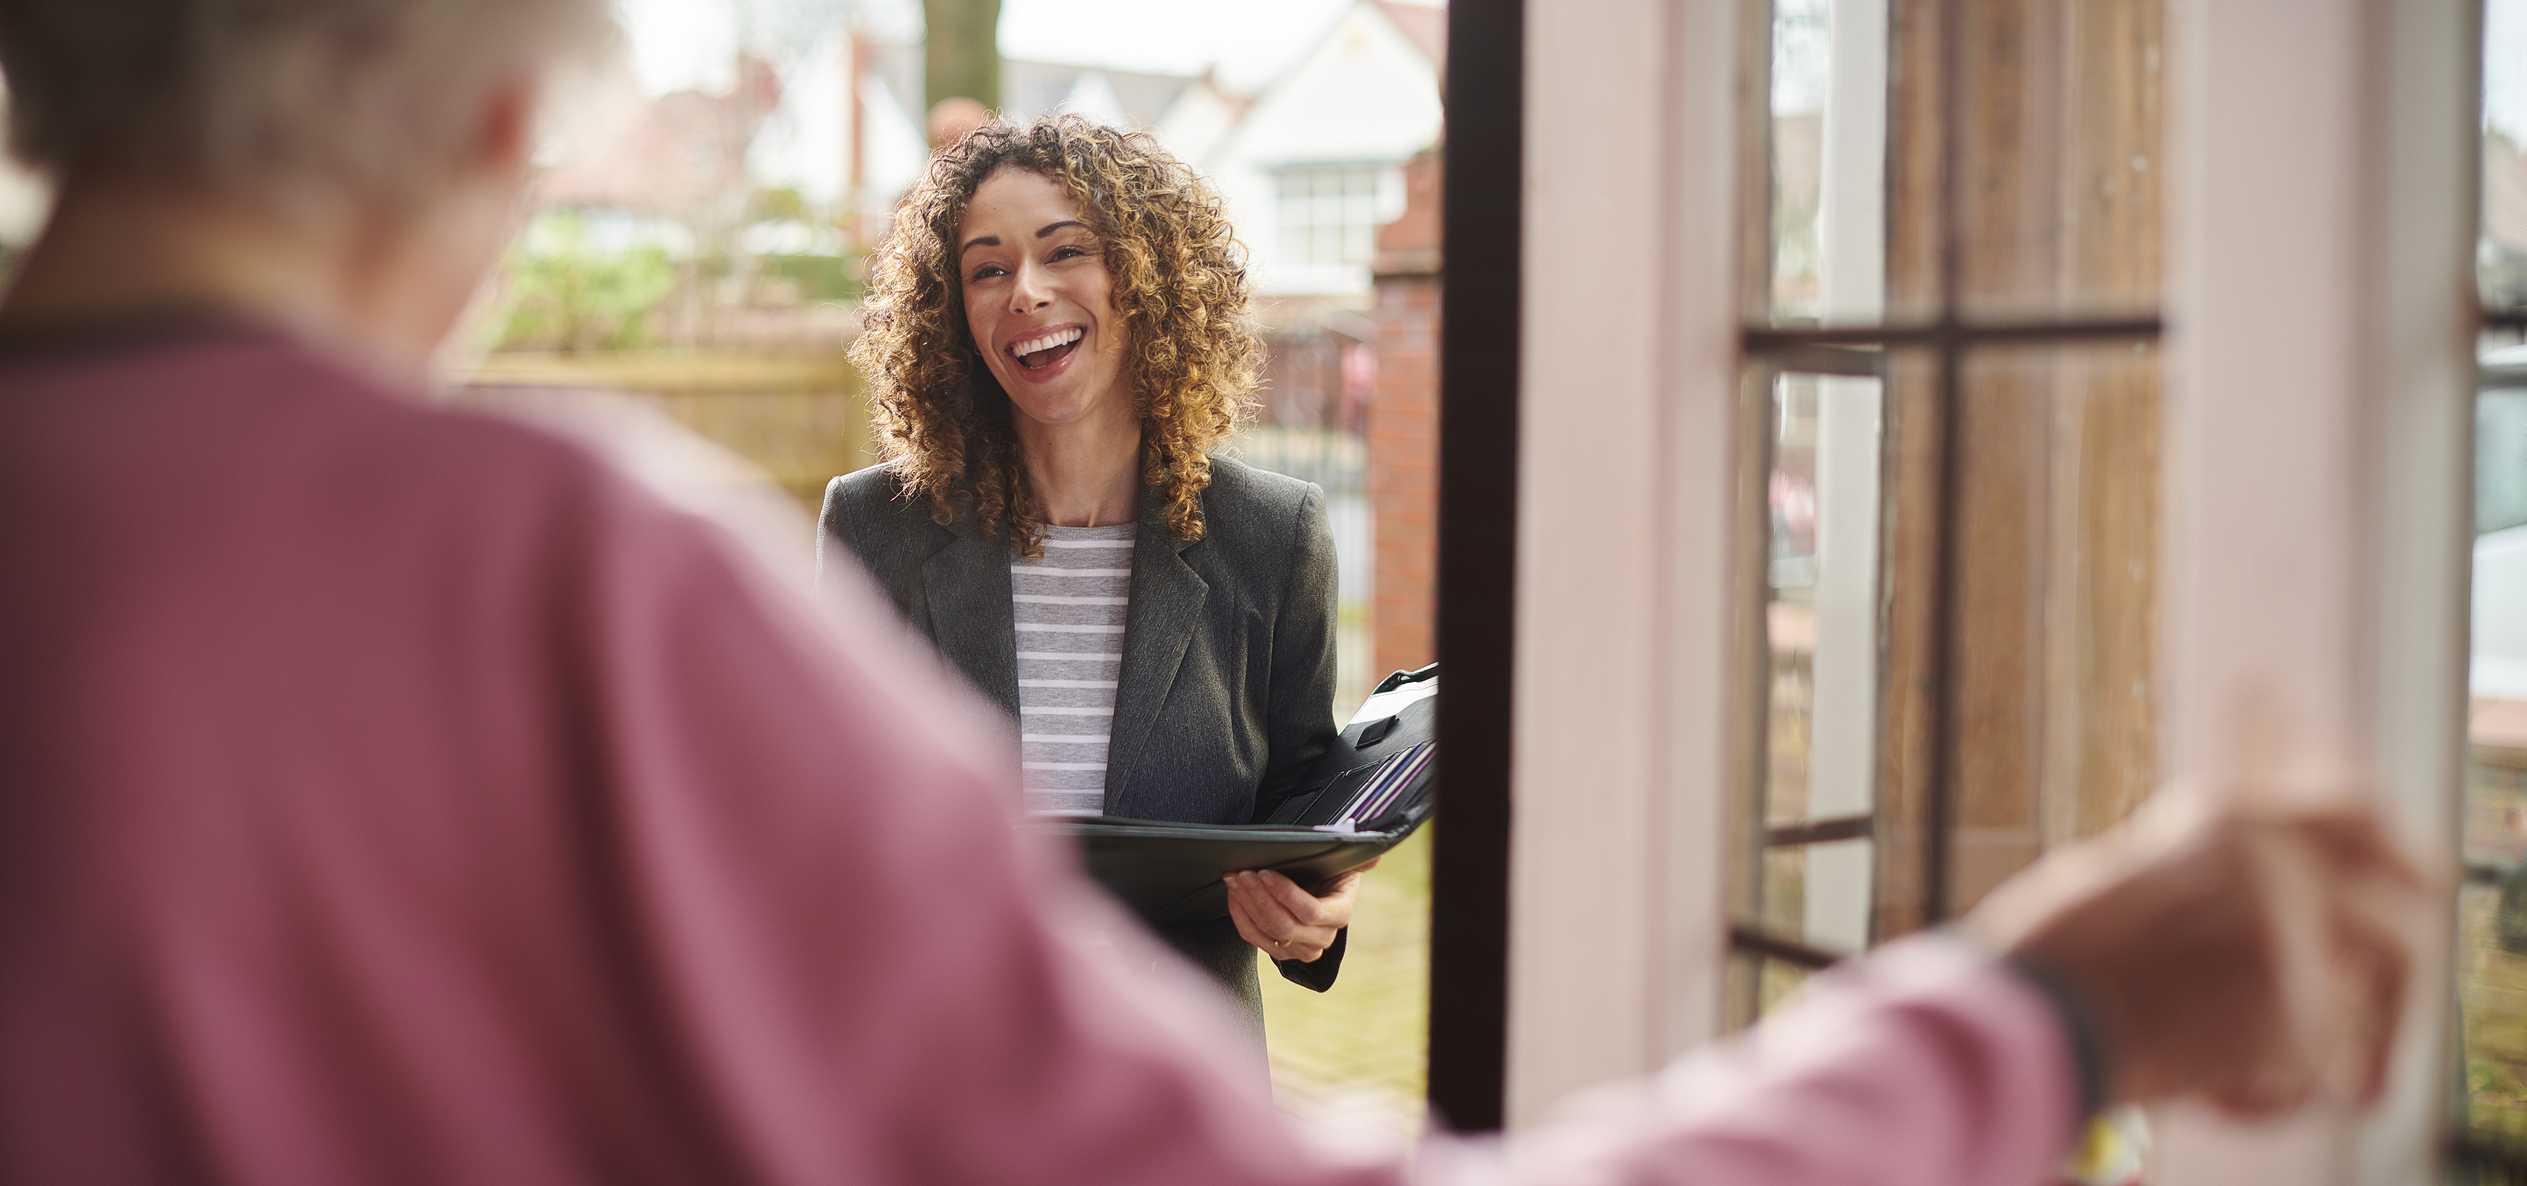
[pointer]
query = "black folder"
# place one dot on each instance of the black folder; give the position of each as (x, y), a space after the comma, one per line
(1369, 791)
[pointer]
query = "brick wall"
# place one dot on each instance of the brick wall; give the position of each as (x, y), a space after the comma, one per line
(1403, 426)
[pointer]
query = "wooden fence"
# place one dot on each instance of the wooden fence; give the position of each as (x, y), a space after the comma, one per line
(802, 417)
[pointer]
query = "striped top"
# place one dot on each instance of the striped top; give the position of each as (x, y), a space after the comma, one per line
(1069, 611)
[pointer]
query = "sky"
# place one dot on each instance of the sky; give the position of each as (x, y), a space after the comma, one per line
(679, 44)
(2505, 67)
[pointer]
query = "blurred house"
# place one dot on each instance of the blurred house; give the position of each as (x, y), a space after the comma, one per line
(2502, 248)
(1402, 438)
(1124, 98)
(1312, 164)
(714, 186)
(680, 162)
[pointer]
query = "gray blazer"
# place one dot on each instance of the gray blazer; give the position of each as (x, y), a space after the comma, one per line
(1226, 693)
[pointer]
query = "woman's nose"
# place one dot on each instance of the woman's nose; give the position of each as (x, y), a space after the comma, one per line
(1030, 291)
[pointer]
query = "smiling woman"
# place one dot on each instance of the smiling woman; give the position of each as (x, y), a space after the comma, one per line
(1171, 277)
(1158, 621)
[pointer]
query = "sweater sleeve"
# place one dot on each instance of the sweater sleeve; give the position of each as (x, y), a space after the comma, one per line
(1302, 723)
(863, 982)
(1925, 1063)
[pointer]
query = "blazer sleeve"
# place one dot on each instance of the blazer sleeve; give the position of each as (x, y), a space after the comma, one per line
(1300, 713)
(1301, 717)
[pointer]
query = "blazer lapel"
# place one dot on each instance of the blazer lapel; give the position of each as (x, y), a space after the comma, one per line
(1167, 600)
(966, 585)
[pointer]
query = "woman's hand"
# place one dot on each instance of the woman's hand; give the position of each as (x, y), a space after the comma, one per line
(1287, 922)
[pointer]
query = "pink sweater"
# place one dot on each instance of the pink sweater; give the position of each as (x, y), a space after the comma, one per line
(399, 795)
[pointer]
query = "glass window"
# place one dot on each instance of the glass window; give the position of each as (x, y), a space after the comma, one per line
(1330, 216)
(1956, 368)
(2492, 906)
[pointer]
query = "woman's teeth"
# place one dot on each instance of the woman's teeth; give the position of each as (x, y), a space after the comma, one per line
(1044, 344)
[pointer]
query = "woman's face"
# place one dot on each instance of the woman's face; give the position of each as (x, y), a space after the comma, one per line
(1039, 301)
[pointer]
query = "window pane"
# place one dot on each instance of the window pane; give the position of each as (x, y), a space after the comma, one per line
(2057, 145)
(1757, 984)
(2492, 962)
(2501, 253)
(1826, 166)
(1821, 572)
(2033, 702)
(2500, 458)
(1989, 666)
(2492, 908)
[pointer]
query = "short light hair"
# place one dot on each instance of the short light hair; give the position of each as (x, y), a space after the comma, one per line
(271, 95)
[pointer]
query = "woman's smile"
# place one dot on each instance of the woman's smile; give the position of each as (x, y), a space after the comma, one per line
(1048, 350)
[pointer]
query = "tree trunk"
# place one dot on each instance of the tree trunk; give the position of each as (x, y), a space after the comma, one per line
(962, 55)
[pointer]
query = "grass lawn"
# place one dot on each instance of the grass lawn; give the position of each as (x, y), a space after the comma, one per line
(1357, 1055)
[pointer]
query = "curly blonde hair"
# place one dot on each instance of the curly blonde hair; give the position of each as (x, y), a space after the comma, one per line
(1179, 281)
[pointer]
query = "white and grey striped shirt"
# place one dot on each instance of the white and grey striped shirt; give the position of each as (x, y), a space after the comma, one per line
(1069, 610)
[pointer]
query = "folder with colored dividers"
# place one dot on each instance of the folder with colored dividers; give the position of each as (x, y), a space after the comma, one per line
(1374, 786)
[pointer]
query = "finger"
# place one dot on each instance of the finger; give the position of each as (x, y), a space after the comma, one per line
(2302, 919)
(2342, 952)
(1306, 952)
(2376, 926)
(1282, 935)
(1257, 934)
(1293, 899)
(1330, 904)
(1268, 908)
(2355, 838)
(1240, 914)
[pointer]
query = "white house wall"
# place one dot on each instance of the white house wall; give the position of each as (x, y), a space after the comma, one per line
(806, 142)
(1364, 95)
(895, 152)
(1196, 123)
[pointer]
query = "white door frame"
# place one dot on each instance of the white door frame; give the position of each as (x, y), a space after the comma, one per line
(1626, 533)
(2318, 460)
(2317, 457)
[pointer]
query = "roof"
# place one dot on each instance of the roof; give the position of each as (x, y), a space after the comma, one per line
(1426, 25)
(1030, 88)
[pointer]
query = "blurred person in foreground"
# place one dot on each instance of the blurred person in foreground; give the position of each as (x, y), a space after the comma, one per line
(1056, 340)
(399, 795)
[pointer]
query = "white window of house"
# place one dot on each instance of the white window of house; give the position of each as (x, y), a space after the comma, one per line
(1329, 215)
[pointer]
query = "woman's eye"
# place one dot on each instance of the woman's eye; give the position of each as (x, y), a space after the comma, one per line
(987, 271)
(1067, 252)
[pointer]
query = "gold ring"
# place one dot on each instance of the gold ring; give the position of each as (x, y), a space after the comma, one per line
(1282, 943)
